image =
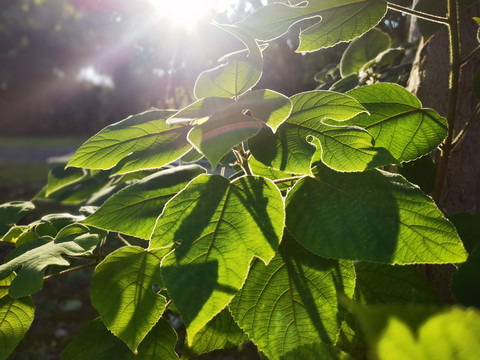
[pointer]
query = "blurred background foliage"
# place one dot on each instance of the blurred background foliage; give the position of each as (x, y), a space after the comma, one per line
(74, 66)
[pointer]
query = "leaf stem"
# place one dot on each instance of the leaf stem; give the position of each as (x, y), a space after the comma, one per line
(419, 14)
(122, 239)
(470, 55)
(446, 146)
(76, 268)
(284, 180)
(242, 158)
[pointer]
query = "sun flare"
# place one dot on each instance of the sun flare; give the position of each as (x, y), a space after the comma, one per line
(186, 13)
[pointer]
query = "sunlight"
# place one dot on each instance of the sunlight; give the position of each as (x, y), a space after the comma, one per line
(188, 13)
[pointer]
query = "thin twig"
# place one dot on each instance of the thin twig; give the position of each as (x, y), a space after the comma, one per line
(48, 277)
(123, 240)
(284, 180)
(469, 122)
(470, 55)
(419, 14)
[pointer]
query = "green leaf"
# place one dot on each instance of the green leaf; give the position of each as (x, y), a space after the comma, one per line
(342, 23)
(59, 178)
(465, 283)
(222, 123)
(268, 106)
(316, 351)
(219, 227)
(5, 284)
(159, 343)
(273, 20)
(222, 332)
(409, 332)
(142, 141)
(95, 342)
(363, 50)
(122, 292)
(344, 148)
(71, 241)
(135, 209)
(240, 72)
(397, 121)
(375, 216)
(16, 316)
(380, 283)
(292, 301)
(12, 212)
(220, 134)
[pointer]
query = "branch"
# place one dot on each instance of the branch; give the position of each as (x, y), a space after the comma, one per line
(463, 132)
(419, 14)
(293, 178)
(447, 146)
(81, 267)
(470, 55)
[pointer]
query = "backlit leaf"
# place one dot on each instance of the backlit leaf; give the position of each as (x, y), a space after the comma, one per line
(362, 50)
(222, 332)
(397, 121)
(374, 215)
(159, 343)
(71, 241)
(16, 316)
(316, 351)
(135, 209)
(381, 283)
(59, 178)
(12, 212)
(342, 23)
(344, 148)
(292, 301)
(240, 72)
(123, 292)
(142, 141)
(219, 228)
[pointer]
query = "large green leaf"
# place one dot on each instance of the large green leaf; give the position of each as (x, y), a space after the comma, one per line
(122, 292)
(60, 178)
(381, 283)
(11, 212)
(239, 73)
(5, 284)
(16, 316)
(219, 227)
(292, 301)
(268, 106)
(222, 332)
(95, 342)
(219, 135)
(222, 123)
(342, 23)
(397, 121)
(362, 50)
(341, 20)
(135, 209)
(273, 20)
(374, 216)
(160, 343)
(71, 241)
(142, 141)
(412, 332)
(344, 148)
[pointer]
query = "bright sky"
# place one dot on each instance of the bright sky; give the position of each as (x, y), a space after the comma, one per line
(188, 13)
